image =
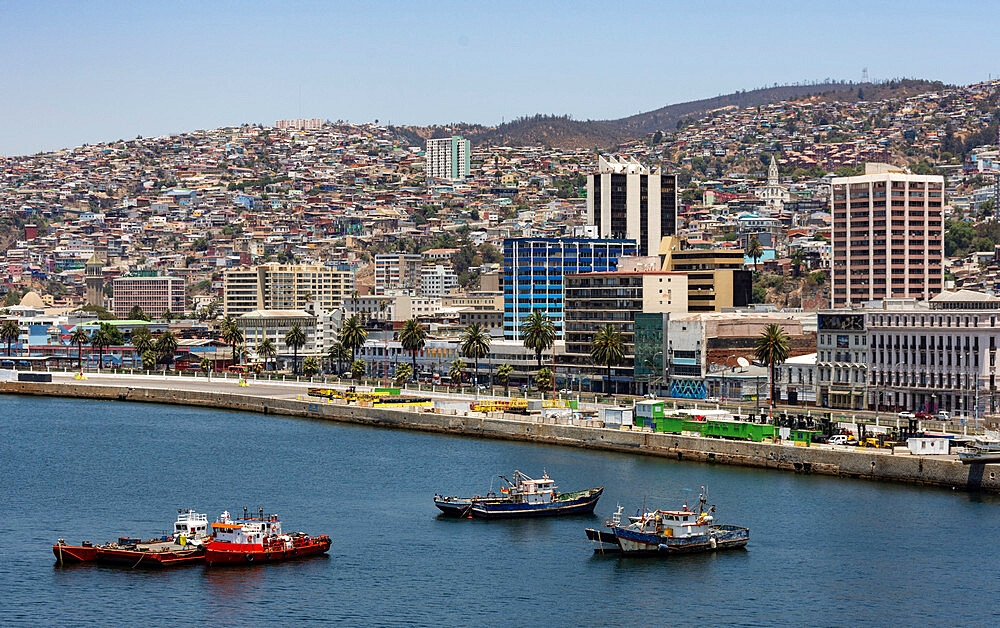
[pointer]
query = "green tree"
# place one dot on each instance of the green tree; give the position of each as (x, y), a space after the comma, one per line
(538, 333)
(10, 331)
(543, 379)
(608, 349)
(100, 340)
(357, 369)
(771, 349)
(403, 373)
(295, 338)
(267, 350)
(166, 346)
(136, 314)
(503, 376)
(353, 335)
(310, 366)
(413, 338)
(340, 354)
(232, 335)
(141, 340)
(456, 370)
(475, 345)
(79, 338)
(754, 250)
(149, 360)
(205, 365)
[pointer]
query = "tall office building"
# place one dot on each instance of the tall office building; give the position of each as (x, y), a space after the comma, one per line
(534, 270)
(717, 278)
(281, 287)
(888, 236)
(626, 200)
(155, 295)
(448, 158)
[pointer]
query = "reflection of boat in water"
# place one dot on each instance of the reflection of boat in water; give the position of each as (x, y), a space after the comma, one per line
(186, 546)
(668, 532)
(522, 497)
(259, 540)
(983, 451)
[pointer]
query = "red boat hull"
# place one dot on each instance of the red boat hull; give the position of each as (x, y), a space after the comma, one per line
(74, 553)
(239, 554)
(136, 558)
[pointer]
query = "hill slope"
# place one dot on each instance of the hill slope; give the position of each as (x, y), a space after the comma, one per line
(565, 132)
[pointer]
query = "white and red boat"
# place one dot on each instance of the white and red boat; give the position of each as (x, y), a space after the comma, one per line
(258, 540)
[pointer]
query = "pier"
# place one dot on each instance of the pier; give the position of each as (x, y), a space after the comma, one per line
(287, 398)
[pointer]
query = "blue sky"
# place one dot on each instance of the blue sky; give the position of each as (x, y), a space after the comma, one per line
(79, 72)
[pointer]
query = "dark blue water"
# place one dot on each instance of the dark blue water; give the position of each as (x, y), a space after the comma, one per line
(823, 551)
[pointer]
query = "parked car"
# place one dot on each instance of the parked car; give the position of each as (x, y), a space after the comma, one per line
(838, 439)
(712, 400)
(906, 415)
(923, 416)
(944, 415)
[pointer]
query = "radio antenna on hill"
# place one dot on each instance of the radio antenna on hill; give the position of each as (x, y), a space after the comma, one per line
(864, 75)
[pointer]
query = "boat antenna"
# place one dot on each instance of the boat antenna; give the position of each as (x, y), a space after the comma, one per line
(244, 512)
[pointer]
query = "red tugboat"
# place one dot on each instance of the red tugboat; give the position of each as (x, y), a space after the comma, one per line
(258, 540)
(186, 546)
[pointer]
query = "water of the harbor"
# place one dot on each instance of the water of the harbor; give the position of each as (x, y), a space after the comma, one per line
(823, 551)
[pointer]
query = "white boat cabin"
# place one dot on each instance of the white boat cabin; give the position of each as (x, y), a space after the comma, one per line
(246, 531)
(674, 523)
(530, 491)
(190, 524)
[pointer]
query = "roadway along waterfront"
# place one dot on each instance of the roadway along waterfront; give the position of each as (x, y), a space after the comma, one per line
(822, 551)
(290, 398)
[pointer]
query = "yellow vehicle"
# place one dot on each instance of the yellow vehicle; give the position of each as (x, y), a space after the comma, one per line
(502, 405)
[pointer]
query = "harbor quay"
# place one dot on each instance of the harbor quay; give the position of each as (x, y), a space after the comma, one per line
(447, 416)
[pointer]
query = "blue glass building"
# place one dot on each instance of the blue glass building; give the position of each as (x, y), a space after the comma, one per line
(533, 272)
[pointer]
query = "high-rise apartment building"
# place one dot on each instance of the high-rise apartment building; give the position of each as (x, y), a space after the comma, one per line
(626, 200)
(448, 158)
(397, 272)
(155, 295)
(534, 270)
(437, 280)
(281, 287)
(305, 124)
(888, 236)
(717, 278)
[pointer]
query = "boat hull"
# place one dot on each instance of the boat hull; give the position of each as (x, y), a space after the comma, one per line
(720, 537)
(222, 554)
(506, 509)
(980, 458)
(74, 553)
(150, 559)
(453, 506)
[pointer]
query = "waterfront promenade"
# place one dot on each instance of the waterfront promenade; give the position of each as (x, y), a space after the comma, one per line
(449, 416)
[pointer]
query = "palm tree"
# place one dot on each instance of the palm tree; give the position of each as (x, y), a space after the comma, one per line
(358, 369)
(267, 350)
(383, 305)
(455, 372)
(608, 348)
(475, 344)
(141, 340)
(538, 334)
(149, 360)
(798, 259)
(295, 338)
(310, 366)
(754, 250)
(10, 331)
(231, 334)
(100, 340)
(413, 338)
(353, 335)
(503, 376)
(205, 365)
(771, 349)
(136, 314)
(403, 373)
(543, 379)
(339, 353)
(79, 338)
(166, 346)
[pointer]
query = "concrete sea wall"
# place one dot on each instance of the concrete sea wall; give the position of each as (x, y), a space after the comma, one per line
(868, 464)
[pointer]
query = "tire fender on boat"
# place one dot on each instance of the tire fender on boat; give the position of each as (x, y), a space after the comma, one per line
(250, 556)
(713, 542)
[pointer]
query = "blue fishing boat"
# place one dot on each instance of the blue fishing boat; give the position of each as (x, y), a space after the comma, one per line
(521, 497)
(668, 532)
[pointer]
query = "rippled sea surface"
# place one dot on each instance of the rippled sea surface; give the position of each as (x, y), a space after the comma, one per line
(823, 551)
